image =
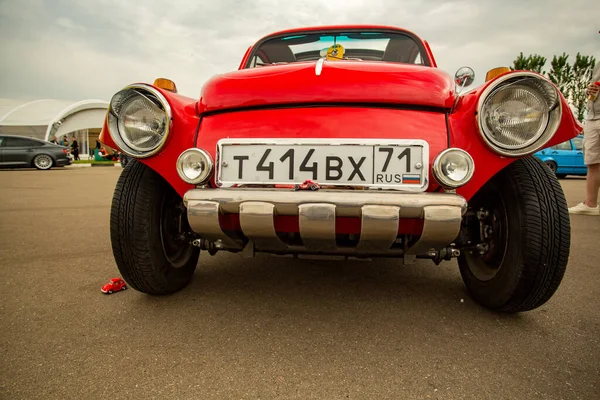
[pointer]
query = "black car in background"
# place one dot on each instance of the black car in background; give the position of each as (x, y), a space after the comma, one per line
(18, 151)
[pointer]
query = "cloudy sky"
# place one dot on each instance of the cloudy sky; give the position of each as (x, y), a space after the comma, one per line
(81, 49)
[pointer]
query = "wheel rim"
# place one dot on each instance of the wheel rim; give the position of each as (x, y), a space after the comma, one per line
(173, 225)
(485, 262)
(43, 161)
(551, 166)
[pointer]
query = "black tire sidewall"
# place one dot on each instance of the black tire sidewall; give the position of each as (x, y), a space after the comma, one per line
(136, 235)
(175, 277)
(538, 239)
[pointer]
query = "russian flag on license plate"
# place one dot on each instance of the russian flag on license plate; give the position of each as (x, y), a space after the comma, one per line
(408, 179)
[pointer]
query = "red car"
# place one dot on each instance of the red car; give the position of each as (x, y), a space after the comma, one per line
(345, 141)
(115, 285)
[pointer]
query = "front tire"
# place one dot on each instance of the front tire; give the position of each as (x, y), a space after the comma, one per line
(523, 221)
(147, 227)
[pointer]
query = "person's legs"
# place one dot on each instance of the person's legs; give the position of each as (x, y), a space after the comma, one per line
(591, 157)
(592, 185)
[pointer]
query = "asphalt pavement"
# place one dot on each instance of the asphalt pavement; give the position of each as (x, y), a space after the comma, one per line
(269, 327)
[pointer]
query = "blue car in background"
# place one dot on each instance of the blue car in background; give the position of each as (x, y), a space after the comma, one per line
(565, 158)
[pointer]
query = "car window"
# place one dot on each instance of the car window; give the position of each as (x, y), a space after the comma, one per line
(21, 142)
(563, 146)
(578, 142)
(256, 60)
(365, 45)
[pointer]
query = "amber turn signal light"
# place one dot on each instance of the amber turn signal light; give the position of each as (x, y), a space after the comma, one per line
(493, 73)
(166, 84)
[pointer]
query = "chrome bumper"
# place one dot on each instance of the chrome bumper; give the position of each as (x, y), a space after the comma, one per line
(381, 214)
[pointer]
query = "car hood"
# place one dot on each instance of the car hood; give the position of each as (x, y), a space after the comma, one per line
(337, 82)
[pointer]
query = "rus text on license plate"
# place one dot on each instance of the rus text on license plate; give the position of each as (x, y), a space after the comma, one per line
(399, 164)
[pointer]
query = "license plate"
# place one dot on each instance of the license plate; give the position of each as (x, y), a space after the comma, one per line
(370, 163)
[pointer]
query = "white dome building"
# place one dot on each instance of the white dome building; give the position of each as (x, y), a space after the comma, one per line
(49, 118)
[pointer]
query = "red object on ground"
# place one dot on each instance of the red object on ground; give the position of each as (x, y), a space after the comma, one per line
(114, 285)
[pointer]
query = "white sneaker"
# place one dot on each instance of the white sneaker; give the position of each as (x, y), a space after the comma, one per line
(583, 209)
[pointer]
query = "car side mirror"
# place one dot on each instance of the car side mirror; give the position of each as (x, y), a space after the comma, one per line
(464, 77)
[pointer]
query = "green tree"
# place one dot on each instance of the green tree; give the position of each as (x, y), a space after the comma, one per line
(581, 76)
(571, 79)
(533, 62)
(561, 74)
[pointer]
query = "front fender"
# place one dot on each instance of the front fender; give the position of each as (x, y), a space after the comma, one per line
(464, 133)
(546, 158)
(184, 125)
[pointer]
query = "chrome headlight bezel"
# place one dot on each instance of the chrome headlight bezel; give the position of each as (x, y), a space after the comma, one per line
(114, 108)
(548, 91)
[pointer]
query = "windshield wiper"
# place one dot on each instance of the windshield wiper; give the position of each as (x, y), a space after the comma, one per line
(274, 63)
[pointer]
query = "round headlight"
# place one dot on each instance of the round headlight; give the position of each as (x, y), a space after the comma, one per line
(519, 113)
(139, 118)
(194, 166)
(453, 168)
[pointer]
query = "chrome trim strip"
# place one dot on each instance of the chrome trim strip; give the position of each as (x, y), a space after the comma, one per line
(441, 226)
(317, 226)
(203, 216)
(348, 202)
(379, 228)
(319, 66)
(333, 142)
(256, 220)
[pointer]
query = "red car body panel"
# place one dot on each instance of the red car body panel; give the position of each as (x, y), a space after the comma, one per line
(339, 82)
(332, 122)
(348, 100)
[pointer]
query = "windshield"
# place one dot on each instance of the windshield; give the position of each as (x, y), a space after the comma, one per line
(339, 46)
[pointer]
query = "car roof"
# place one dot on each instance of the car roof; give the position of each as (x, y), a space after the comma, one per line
(309, 29)
(23, 137)
(32, 138)
(321, 28)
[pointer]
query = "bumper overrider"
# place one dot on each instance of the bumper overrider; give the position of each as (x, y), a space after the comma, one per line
(381, 215)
